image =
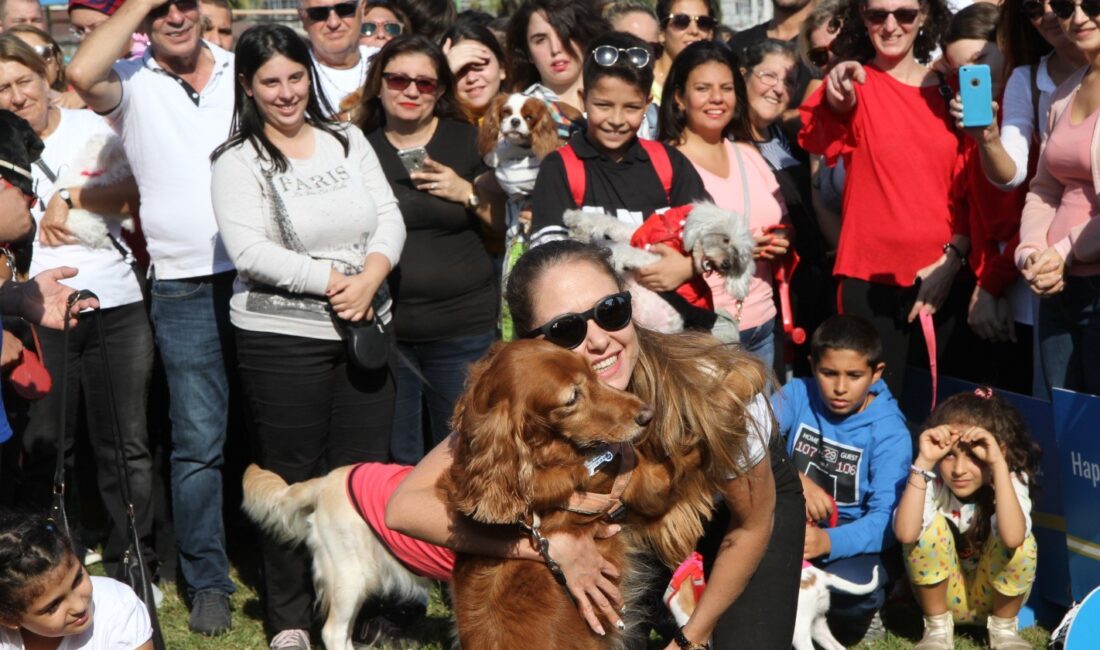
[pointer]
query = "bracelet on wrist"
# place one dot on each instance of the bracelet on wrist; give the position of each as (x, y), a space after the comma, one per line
(687, 644)
(928, 475)
(955, 249)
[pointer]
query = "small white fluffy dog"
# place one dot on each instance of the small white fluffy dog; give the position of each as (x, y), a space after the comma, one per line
(718, 240)
(102, 162)
(813, 604)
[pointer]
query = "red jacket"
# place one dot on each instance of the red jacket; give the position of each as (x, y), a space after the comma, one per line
(668, 228)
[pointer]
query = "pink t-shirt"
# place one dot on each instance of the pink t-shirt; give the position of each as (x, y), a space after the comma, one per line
(1068, 156)
(370, 486)
(766, 208)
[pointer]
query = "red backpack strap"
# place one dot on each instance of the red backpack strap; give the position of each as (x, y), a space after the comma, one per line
(658, 156)
(574, 173)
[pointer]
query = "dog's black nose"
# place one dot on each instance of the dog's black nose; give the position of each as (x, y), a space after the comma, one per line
(726, 266)
(644, 416)
(514, 121)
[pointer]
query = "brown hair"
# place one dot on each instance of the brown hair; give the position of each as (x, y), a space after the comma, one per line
(60, 84)
(984, 408)
(13, 48)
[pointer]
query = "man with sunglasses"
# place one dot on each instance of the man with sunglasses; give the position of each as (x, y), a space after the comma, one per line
(787, 19)
(333, 30)
(172, 107)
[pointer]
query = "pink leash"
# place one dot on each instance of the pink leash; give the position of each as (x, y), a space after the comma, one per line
(929, 331)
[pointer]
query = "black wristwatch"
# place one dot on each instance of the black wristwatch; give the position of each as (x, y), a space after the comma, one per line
(687, 644)
(66, 197)
(955, 249)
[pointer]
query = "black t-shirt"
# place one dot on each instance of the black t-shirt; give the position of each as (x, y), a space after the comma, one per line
(443, 286)
(742, 40)
(629, 189)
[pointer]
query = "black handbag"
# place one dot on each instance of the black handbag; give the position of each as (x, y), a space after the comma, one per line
(371, 342)
(132, 569)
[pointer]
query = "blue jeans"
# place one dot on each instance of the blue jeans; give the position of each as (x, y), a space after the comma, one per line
(444, 364)
(1069, 336)
(760, 342)
(191, 321)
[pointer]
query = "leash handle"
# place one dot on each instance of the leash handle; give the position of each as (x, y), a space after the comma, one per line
(929, 330)
(543, 546)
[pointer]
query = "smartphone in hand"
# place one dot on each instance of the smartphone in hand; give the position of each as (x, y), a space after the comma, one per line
(976, 92)
(412, 158)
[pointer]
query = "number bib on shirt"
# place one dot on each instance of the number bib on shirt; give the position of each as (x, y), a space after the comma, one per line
(831, 465)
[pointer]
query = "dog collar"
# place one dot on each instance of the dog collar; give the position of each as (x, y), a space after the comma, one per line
(610, 504)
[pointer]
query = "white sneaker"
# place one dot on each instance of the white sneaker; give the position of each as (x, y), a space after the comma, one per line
(291, 640)
(939, 633)
(158, 596)
(91, 557)
(1003, 634)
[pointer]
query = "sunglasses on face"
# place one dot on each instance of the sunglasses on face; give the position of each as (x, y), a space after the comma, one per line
(609, 55)
(879, 16)
(819, 56)
(182, 5)
(393, 30)
(569, 330)
(399, 82)
(681, 22)
(1032, 9)
(342, 9)
(1065, 9)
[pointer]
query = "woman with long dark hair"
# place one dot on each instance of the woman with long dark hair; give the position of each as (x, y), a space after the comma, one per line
(478, 65)
(444, 288)
(313, 229)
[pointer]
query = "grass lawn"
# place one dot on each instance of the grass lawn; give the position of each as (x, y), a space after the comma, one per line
(902, 623)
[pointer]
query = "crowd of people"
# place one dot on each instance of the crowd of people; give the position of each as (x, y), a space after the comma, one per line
(248, 204)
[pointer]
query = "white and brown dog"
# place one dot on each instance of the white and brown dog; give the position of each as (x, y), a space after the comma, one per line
(810, 625)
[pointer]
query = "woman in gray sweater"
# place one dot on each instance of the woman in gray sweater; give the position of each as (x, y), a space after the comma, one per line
(313, 228)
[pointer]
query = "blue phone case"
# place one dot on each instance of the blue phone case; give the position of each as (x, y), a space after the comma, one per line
(976, 91)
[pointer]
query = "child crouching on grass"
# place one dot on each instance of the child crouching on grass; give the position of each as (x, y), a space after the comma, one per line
(48, 601)
(965, 520)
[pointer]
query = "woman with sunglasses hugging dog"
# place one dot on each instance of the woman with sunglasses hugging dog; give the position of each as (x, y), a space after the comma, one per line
(313, 229)
(565, 292)
(881, 110)
(444, 289)
(1059, 251)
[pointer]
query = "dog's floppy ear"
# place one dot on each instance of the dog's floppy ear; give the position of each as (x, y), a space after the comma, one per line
(489, 133)
(544, 131)
(490, 479)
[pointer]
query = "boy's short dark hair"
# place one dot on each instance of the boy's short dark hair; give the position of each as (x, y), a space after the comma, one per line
(846, 332)
(622, 69)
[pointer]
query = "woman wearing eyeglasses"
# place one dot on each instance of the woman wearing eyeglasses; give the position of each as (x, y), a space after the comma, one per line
(313, 229)
(444, 289)
(565, 292)
(382, 22)
(1058, 232)
(881, 110)
(683, 22)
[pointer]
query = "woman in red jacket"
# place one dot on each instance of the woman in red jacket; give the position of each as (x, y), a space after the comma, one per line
(883, 111)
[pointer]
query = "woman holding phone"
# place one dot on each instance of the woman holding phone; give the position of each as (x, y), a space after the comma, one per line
(445, 295)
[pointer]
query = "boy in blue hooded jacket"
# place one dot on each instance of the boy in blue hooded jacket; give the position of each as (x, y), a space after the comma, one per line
(849, 442)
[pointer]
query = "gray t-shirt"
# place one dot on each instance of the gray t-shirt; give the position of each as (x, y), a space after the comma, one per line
(286, 231)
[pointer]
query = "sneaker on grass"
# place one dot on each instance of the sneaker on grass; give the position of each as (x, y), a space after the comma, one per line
(210, 613)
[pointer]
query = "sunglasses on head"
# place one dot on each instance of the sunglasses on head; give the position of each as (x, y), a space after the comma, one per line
(1065, 9)
(342, 9)
(399, 82)
(569, 330)
(903, 16)
(608, 55)
(682, 21)
(393, 30)
(1032, 9)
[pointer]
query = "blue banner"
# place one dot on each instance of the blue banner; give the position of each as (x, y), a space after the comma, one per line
(1077, 425)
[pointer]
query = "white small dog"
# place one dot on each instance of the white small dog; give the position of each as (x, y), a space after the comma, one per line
(718, 241)
(102, 162)
(813, 604)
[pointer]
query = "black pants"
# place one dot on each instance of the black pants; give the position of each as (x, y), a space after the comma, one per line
(310, 412)
(130, 349)
(887, 308)
(762, 617)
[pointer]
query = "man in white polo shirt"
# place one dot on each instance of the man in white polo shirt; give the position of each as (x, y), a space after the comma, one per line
(172, 107)
(333, 31)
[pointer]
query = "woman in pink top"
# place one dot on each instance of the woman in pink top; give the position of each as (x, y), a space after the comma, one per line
(1062, 201)
(705, 106)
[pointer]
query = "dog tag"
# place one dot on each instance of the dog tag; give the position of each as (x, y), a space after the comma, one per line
(598, 460)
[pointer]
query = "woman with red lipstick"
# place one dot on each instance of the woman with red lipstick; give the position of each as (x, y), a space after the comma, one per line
(547, 40)
(47, 598)
(444, 287)
(881, 110)
(706, 117)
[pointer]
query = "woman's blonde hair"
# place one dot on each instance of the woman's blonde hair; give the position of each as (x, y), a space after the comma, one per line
(60, 84)
(13, 48)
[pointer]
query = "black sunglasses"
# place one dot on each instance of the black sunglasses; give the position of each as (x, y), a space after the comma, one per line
(162, 10)
(879, 16)
(682, 21)
(342, 9)
(569, 330)
(609, 55)
(1065, 9)
(819, 56)
(393, 30)
(399, 82)
(1032, 9)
